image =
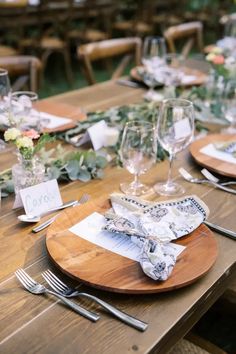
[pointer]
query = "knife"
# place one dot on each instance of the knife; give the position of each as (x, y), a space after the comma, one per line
(221, 230)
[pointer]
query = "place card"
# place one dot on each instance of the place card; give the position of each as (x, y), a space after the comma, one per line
(99, 134)
(211, 151)
(182, 128)
(40, 198)
(90, 229)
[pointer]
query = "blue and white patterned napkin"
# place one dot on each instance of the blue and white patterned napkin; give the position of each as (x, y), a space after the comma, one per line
(153, 225)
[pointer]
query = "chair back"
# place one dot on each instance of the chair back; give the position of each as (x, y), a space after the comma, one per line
(190, 31)
(107, 49)
(25, 69)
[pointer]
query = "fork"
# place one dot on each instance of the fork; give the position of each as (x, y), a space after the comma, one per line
(213, 178)
(61, 288)
(85, 197)
(186, 175)
(36, 288)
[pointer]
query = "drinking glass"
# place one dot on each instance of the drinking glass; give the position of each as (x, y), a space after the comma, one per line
(229, 106)
(153, 57)
(5, 90)
(138, 153)
(175, 129)
(24, 110)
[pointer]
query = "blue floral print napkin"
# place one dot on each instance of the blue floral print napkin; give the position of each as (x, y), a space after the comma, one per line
(153, 225)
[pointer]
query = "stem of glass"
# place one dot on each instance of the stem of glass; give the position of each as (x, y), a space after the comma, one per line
(171, 159)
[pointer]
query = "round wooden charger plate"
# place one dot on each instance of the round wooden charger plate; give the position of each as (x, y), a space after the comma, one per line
(222, 167)
(200, 76)
(100, 268)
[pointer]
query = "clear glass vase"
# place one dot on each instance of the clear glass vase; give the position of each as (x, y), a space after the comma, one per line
(27, 173)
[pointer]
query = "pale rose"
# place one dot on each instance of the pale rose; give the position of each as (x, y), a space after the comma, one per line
(24, 142)
(210, 57)
(32, 134)
(11, 134)
(218, 60)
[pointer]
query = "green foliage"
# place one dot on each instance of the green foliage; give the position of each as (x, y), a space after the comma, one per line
(117, 117)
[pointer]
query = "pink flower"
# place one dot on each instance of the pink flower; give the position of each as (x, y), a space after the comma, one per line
(218, 60)
(32, 134)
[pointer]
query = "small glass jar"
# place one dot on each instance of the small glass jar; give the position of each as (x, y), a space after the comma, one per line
(27, 173)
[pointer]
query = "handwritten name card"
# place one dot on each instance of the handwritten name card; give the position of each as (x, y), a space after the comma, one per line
(40, 198)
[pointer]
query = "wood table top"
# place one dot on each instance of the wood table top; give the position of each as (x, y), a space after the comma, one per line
(30, 324)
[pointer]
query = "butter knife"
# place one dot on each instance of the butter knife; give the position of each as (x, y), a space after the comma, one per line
(221, 230)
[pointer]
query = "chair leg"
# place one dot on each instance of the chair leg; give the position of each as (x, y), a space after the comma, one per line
(68, 68)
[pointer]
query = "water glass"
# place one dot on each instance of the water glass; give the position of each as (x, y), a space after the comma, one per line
(138, 153)
(25, 114)
(5, 90)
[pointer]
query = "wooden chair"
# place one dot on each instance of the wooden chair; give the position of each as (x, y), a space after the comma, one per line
(229, 24)
(53, 38)
(141, 24)
(91, 52)
(192, 31)
(93, 20)
(25, 69)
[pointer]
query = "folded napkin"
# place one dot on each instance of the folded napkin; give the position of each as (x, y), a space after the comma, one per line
(153, 225)
(229, 147)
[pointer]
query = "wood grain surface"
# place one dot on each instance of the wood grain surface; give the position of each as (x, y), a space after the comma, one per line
(222, 167)
(39, 324)
(98, 267)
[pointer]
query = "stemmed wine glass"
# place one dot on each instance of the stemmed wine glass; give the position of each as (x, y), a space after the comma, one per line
(5, 89)
(175, 129)
(153, 57)
(138, 153)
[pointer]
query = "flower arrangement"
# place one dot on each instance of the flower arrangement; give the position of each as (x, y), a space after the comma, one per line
(223, 65)
(25, 141)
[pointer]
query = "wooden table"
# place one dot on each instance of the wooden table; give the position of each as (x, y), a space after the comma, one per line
(30, 324)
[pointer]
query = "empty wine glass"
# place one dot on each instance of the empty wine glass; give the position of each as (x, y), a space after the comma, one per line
(5, 90)
(153, 57)
(138, 153)
(24, 110)
(229, 106)
(175, 129)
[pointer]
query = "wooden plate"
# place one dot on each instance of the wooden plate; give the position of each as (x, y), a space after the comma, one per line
(222, 167)
(200, 76)
(106, 270)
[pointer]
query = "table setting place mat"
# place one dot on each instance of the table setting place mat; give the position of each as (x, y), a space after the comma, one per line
(171, 76)
(131, 230)
(216, 152)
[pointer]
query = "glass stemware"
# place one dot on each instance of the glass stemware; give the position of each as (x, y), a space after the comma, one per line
(153, 57)
(138, 153)
(5, 89)
(25, 115)
(229, 106)
(175, 129)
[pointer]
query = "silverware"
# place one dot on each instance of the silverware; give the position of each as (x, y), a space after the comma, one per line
(129, 83)
(82, 200)
(36, 218)
(213, 178)
(221, 230)
(186, 175)
(36, 288)
(64, 290)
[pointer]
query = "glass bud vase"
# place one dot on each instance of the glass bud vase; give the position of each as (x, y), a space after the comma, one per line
(27, 173)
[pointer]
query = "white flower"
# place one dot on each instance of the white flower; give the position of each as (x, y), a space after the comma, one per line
(24, 142)
(210, 57)
(11, 134)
